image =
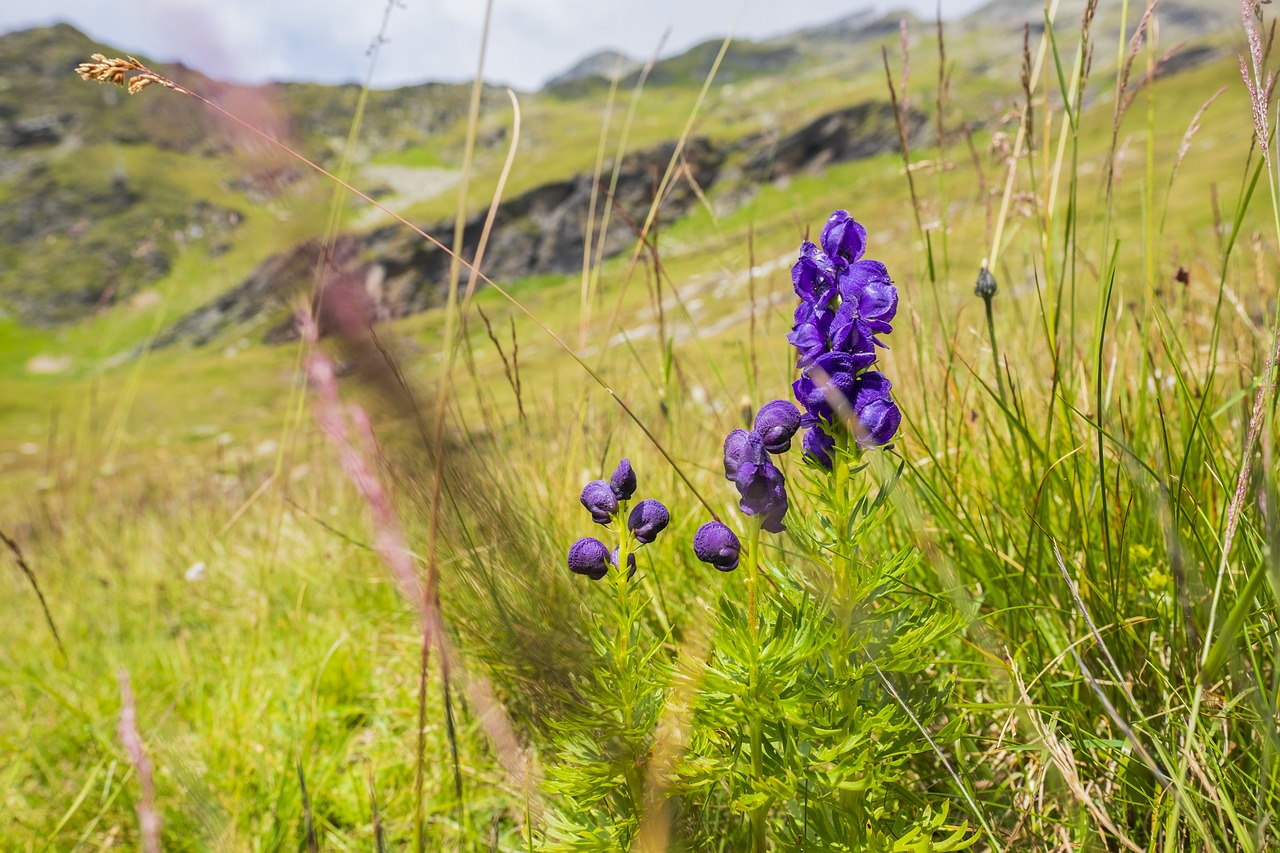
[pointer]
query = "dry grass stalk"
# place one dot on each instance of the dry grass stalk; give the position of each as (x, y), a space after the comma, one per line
(1062, 757)
(329, 414)
(12, 545)
(512, 377)
(1260, 90)
(521, 769)
(1261, 86)
(670, 742)
(1192, 130)
(148, 819)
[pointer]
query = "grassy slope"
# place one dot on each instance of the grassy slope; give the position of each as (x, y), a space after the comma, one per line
(294, 645)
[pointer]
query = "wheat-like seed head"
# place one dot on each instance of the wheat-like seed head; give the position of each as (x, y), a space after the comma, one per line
(115, 71)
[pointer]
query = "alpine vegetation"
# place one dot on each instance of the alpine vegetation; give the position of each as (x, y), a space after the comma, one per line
(809, 711)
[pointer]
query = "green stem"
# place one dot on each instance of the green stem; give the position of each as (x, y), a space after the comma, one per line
(622, 653)
(995, 351)
(759, 830)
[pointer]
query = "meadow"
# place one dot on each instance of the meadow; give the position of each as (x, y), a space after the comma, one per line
(1043, 616)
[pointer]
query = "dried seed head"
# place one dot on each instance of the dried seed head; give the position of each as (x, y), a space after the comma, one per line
(137, 84)
(115, 71)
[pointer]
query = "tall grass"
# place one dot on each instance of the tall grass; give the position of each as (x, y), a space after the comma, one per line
(1088, 513)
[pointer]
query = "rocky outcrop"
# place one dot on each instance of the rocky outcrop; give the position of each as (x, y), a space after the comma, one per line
(862, 130)
(269, 294)
(391, 272)
(71, 246)
(541, 231)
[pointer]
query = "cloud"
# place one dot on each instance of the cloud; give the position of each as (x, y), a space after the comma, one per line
(327, 40)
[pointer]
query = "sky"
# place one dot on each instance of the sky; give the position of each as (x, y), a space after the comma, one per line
(327, 41)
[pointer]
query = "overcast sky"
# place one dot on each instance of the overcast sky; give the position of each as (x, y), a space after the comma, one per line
(327, 40)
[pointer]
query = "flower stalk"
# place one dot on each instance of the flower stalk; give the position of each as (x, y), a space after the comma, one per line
(986, 288)
(760, 814)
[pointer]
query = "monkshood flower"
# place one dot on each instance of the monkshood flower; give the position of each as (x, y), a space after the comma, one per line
(761, 487)
(623, 481)
(867, 289)
(830, 379)
(589, 557)
(716, 544)
(648, 518)
(814, 275)
(742, 447)
(764, 493)
(599, 499)
(810, 340)
(837, 330)
(843, 238)
(607, 500)
(762, 490)
(875, 410)
(776, 422)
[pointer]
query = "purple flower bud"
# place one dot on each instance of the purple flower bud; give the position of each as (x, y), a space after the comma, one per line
(623, 481)
(818, 445)
(776, 422)
(741, 447)
(878, 415)
(843, 238)
(600, 501)
(631, 562)
(589, 557)
(648, 519)
(715, 544)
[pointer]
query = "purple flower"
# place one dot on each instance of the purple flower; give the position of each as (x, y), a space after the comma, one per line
(877, 414)
(623, 481)
(763, 492)
(818, 444)
(741, 447)
(813, 276)
(589, 557)
(820, 394)
(836, 340)
(631, 562)
(715, 544)
(843, 238)
(810, 342)
(866, 287)
(600, 501)
(776, 422)
(814, 314)
(851, 334)
(648, 519)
